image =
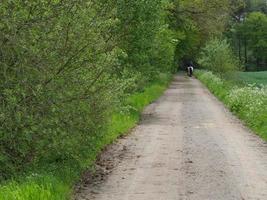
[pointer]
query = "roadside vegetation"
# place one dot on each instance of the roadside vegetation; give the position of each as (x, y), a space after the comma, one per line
(248, 102)
(47, 184)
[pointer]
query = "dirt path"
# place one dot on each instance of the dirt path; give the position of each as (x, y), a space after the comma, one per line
(188, 146)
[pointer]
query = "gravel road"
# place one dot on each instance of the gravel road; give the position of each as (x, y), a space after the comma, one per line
(187, 146)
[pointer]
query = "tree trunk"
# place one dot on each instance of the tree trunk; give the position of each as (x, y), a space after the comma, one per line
(246, 54)
(239, 49)
(258, 61)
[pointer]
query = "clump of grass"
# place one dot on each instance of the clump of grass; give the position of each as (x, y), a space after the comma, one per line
(248, 102)
(56, 182)
(34, 188)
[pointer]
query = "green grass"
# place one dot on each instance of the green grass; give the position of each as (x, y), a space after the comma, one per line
(57, 184)
(248, 102)
(35, 188)
(257, 78)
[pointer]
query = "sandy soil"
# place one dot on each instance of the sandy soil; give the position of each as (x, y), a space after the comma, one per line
(188, 146)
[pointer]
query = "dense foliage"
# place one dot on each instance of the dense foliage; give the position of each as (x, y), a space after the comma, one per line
(64, 65)
(217, 56)
(256, 6)
(52, 78)
(248, 34)
(196, 22)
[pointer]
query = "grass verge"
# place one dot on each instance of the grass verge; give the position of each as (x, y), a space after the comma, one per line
(248, 102)
(57, 184)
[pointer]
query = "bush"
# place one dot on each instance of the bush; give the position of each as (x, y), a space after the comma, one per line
(218, 57)
(56, 83)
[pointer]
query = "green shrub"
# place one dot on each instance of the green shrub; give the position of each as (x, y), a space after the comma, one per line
(218, 57)
(56, 87)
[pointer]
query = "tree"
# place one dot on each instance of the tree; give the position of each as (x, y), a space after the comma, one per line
(254, 30)
(218, 57)
(251, 37)
(195, 22)
(256, 6)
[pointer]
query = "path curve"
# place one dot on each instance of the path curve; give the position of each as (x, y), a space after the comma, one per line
(188, 146)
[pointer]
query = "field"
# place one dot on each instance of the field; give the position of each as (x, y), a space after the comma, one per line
(257, 78)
